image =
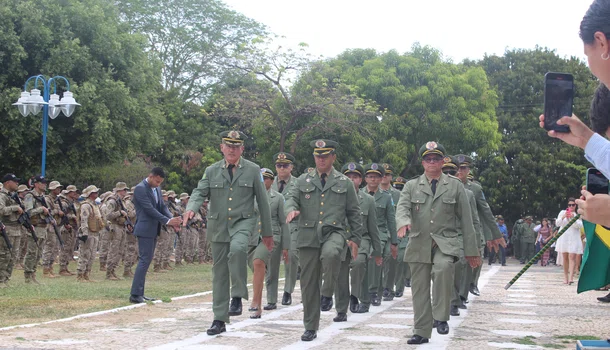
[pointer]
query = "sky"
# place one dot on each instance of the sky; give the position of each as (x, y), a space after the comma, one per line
(458, 28)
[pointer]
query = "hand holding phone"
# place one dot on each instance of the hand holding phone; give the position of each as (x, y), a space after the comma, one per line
(558, 100)
(597, 183)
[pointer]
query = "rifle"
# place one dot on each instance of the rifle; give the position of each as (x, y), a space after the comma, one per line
(128, 222)
(49, 220)
(6, 240)
(25, 220)
(64, 219)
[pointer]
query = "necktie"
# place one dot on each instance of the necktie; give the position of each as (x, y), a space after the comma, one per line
(156, 195)
(433, 185)
(372, 193)
(323, 180)
(282, 183)
(230, 168)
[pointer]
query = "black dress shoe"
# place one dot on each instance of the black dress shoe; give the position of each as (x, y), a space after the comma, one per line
(375, 300)
(389, 297)
(217, 328)
(417, 339)
(474, 290)
(270, 306)
(386, 293)
(341, 317)
(362, 308)
(605, 299)
(138, 299)
(408, 283)
(443, 327)
(353, 304)
(398, 294)
(235, 308)
(326, 303)
(454, 311)
(309, 336)
(148, 299)
(286, 299)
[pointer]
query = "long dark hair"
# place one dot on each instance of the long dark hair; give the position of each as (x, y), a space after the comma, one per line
(597, 19)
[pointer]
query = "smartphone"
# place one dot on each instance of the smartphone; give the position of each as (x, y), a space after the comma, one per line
(596, 182)
(558, 100)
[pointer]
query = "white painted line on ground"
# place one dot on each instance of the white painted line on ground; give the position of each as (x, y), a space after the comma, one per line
(513, 346)
(519, 320)
(105, 312)
(162, 320)
(517, 333)
(62, 342)
(515, 312)
(521, 296)
(247, 335)
(521, 290)
(516, 304)
(441, 342)
(373, 339)
(398, 316)
(388, 326)
(204, 337)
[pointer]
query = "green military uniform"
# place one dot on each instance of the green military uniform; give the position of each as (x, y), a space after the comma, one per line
(434, 245)
(370, 245)
(390, 265)
(281, 241)
(528, 240)
(9, 215)
(292, 266)
(386, 223)
(231, 218)
(403, 273)
(515, 238)
(326, 202)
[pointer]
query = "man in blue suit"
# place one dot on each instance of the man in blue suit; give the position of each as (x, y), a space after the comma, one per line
(151, 213)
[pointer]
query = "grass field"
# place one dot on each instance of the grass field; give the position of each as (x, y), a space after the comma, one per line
(64, 297)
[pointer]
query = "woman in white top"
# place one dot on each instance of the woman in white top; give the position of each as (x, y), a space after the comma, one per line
(569, 244)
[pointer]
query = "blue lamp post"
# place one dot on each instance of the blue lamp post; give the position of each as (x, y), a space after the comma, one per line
(33, 102)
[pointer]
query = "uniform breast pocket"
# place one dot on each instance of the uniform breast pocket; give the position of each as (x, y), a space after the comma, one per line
(417, 206)
(449, 205)
(307, 193)
(217, 185)
(339, 191)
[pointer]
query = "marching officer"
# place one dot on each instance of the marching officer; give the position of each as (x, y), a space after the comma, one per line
(9, 214)
(434, 209)
(232, 185)
(324, 201)
(284, 182)
(370, 245)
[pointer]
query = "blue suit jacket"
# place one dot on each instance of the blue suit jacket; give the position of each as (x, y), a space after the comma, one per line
(149, 214)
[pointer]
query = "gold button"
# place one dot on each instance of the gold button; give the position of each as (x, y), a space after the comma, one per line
(229, 209)
(230, 188)
(232, 199)
(334, 222)
(321, 203)
(321, 212)
(259, 231)
(322, 195)
(229, 218)
(320, 222)
(431, 221)
(306, 224)
(259, 222)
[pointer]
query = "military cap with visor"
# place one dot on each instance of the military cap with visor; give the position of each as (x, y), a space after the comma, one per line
(399, 181)
(10, 177)
(233, 137)
(283, 158)
(267, 173)
(39, 178)
(323, 147)
(389, 169)
(432, 147)
(374, 168)
(464, 160)
(352, 168)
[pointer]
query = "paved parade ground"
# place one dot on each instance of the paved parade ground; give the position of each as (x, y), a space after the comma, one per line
(538, 312)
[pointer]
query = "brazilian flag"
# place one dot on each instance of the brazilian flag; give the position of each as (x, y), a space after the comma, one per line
(595, 270)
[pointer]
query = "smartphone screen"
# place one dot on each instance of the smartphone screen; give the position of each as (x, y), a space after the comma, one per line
(558, 99)
(596, 182)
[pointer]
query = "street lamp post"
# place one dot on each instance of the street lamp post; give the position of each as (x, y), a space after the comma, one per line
(33, 102)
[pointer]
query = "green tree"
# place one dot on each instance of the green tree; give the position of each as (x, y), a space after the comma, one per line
(192, 38)
(531, 173)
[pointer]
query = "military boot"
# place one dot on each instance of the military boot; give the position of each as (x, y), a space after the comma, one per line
(127, 272)
(102, 266)
(30, 277)
(115, 276)
(63, 271)
(80, 277)
(167, 266)
(48, 272)
(87, 278)
(158, 269)
(110, 275)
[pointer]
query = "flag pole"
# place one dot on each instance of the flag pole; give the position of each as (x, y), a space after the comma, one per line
(544, 249)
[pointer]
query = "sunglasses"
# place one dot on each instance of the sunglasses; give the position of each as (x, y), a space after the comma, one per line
(282, 165)
(571, 205)
(450, 172)
(433, 160)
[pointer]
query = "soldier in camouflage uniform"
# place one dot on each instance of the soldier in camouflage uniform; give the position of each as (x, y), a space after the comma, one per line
(116, 215)
(105, 233)
(49, 250)
(130, 255)
(183, 239)
(22, 190)
(175, 210)
(68, 198)
(37, 213)
(9, 214)
(202, 246)
(193, 236)
(91, 223)
(160, 252)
